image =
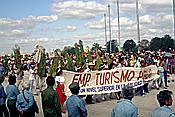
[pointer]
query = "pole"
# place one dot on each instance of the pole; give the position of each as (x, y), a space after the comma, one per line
(138, 22)
(118, 13)
(174, 16)
(109, 27)
(105, 30)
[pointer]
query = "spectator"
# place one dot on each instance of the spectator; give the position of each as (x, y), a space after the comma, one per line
(32, 79)
(60, 88)
(50, 101)
(20, 74)
(125, 108)
(12, 92)
(3, 109)
(75, 105)
(165, 100)
(2, 69)
(25, 103)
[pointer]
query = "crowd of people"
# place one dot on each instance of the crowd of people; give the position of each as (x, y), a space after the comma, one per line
(18, 98)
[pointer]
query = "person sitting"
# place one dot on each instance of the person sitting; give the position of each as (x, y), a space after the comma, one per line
(165, 100)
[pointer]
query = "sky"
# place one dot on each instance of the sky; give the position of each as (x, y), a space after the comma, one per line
(59, 23)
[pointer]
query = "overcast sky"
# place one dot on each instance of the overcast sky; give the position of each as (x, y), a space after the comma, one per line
(59, 23)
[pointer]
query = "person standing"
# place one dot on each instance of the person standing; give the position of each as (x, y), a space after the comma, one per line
(2, 69)
(165, 100)
(165, 70)
(12, 92)
(3, 109)
(50, 100)
(60, 88)
(125, 107)
(25, 103)
(75, 105)
(32, 79)
(20, 75)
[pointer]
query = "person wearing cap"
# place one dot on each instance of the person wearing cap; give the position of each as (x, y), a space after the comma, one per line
(165, 100)
(25, 102)
(3, 109)
(12, 92)
(75, 104)
(125, 107)
(50, 100)
(60, 88)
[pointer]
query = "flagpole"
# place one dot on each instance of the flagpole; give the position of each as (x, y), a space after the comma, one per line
(105, 30)
(138, 22)
(118, 13)
(109, 26)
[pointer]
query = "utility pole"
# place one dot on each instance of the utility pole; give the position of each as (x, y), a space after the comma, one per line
(174, 16)
(109, 28)
(105, 30)
(138, 23)
(118, 14)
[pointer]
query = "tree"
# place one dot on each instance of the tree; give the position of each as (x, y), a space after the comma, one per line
(95, 46)
(144, 44)
(129, 45)
(113, 46)
(163, 43)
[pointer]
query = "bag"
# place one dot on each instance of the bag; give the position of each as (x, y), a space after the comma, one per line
(34, 108)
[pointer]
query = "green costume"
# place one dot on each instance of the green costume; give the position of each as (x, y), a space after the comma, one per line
(50, 103)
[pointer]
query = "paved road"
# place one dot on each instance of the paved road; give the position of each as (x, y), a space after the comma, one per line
(145, 104)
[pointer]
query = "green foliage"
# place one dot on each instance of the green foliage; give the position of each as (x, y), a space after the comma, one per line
(70, 62)
(82, 58)
(95, 46)
(17, 57)
(89, 56)
(42, 65)
(54, 66)
(163, 43)
(129, 45)
(114, 47)
(6, 63)
(99, 61)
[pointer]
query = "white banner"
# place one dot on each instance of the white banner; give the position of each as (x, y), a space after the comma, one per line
(107, 81)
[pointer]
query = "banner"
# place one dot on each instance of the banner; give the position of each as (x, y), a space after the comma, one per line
(107, 81)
